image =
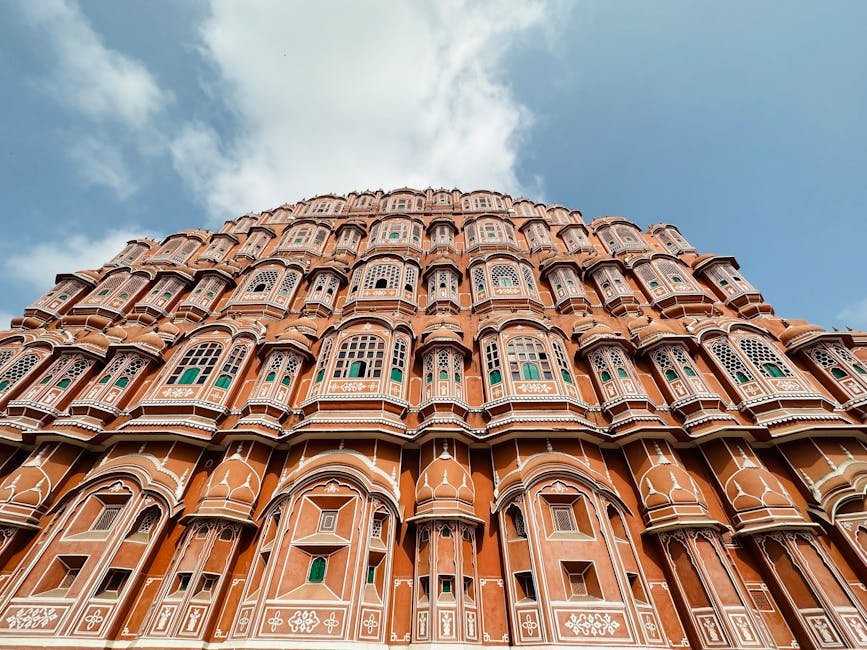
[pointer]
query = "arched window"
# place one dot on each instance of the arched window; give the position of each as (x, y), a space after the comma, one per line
(5, 356)
(518, 521)
(764, 359)
(322, 362)
(348, 240)
(398, 360)
(504, 275)
(841, 364)
(197, 364)
(674, 363)
(67, 369)
(382, 276)
(324, 288)
(317, 570)
(123, 369)
(206, 292)
(360, 356)
(492, 362)
(262, 281)
(479, 281)
(17, 369)
(614, 372)
(231, 367)
(442, 284)
(528, 359)
(562, 361)
(731, 362)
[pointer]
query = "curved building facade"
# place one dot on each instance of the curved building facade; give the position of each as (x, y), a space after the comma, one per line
(428, 419)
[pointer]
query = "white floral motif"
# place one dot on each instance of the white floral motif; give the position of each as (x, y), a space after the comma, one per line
(593, 624)
(275, 621)
(94, 618)
(370, 623)
(29, 618)
(331, 622)
(534, 388)
(303, 621)
(355, 386)
(446, 623)
(177, 392)
(529, 624)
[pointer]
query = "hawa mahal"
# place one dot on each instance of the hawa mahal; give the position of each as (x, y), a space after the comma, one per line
(428, 419)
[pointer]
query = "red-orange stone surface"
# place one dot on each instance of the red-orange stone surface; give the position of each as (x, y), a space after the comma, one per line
(431, 419)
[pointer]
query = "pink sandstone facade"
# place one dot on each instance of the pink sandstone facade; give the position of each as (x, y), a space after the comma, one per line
(428, 419)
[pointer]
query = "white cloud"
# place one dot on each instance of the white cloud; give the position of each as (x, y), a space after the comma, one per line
(334, 97)
(37, 266)
(101, 83)
(99, 162)
(854, 315)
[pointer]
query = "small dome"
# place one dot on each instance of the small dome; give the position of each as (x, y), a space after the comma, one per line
(445, 488)
(796, 331)
(90, 274)
(234, 479)
(307, 326)
(600, 330)
(150, 340)
(293, 335)
(95, 339)
(168, 329)
(442, 321)
(668, 484)
(118, 333)
(28, 485)
(753, 487)
(701, 259)
(344, 260)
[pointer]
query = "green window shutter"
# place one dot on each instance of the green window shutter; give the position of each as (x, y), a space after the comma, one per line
(317, 570)
(371, 575)
(444, 374)
(621, 372)
(838, 373)
(566, 376)
(271, 376)
(530, 371)
(63, 383)
(357, 369)
(741, 377)
(105, 379)
(286, 380)
(495, 377)
(396, 374)
(122, 382)
(689, 372)
(320, 375)
(224, 381)
(189, 376)
(4, 384)
(670, 375)
(605, 375)
(773, 370)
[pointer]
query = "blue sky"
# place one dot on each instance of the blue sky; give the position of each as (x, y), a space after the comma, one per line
(743, 123)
